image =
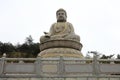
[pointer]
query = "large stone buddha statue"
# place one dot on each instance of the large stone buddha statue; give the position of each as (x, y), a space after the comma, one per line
(61, 40)
(61, 29)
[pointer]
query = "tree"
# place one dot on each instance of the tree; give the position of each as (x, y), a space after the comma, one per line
(118, 57)
(1, 44)
(29, 40)
(6, 47)
(25, 50)
(106, 57)
(29, 48)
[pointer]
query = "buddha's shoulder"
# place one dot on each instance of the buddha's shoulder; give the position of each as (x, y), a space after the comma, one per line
(53, 24)
(68, 23)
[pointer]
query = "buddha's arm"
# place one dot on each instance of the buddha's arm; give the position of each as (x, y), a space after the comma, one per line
(71, 29)
(51, 31)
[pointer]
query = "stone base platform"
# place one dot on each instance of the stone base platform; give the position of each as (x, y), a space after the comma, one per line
(57, 52)
(61, 44)
(64, 48)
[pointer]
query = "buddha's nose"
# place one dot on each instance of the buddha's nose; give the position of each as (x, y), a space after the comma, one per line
(60, 16)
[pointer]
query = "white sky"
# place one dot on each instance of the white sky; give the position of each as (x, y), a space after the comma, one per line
(96, 21)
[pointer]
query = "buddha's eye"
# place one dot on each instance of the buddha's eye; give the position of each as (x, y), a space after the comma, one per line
(61, 13)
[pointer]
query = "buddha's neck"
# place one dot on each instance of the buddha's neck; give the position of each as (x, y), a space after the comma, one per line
(61, 20)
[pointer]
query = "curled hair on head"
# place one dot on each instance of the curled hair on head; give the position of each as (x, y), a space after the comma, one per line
(61, 9)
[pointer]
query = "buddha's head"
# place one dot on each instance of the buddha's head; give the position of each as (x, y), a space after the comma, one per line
(61, 15)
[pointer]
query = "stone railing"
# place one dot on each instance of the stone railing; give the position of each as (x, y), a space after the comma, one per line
(58, 68)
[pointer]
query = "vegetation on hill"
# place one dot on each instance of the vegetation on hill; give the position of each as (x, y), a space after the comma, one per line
(28, 49)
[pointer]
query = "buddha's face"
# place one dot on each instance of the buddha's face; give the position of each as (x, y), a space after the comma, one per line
(61, 16)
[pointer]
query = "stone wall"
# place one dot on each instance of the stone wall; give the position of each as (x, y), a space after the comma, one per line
(57, 68)
(59, 78)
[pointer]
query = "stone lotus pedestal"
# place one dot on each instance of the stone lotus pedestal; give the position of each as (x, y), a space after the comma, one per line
(57, 48)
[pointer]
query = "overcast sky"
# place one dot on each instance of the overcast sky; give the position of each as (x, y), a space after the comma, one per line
(97, 22)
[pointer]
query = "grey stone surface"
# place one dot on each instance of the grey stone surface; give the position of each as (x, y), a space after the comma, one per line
(107, 68)
(59, 79)
(79, 68)
(19, 67)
